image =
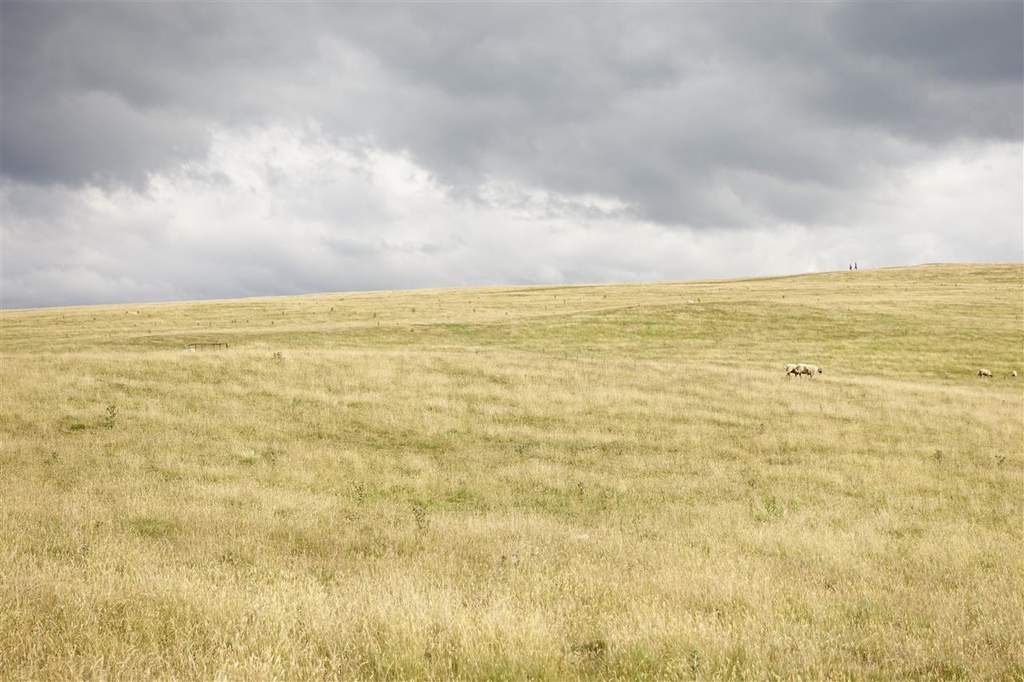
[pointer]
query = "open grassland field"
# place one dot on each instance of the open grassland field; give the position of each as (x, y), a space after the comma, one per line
(538, 482)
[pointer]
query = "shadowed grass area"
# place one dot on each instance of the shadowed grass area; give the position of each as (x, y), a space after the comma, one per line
(546, 482)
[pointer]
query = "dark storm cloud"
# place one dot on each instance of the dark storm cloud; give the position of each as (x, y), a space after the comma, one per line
(932, 73)
(110, 92)
(966, 41)
(656, 104)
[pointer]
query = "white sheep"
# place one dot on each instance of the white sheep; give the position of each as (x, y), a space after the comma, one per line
(1013, 374)
(811, 370)
(806, 369)
(791, 369)
(984, 373)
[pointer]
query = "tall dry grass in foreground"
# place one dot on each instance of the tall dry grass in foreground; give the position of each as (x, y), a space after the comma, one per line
(561, 482)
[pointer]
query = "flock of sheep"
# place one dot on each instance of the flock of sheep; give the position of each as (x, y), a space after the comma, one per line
(804, 369)
(988, 373)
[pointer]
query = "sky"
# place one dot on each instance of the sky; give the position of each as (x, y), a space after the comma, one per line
(162, 151)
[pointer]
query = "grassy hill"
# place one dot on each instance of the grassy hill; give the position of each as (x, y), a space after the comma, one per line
(544, 482)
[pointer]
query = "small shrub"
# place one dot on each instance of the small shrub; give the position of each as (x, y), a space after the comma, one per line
(111, 417)
(419, 512)
(591, 650)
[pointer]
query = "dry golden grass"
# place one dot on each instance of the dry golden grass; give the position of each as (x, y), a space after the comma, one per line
(508, 483)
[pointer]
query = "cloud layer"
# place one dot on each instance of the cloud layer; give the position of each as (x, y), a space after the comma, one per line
(170, 151)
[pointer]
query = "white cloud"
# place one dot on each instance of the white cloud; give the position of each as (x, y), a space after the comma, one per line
(279, 211)
(964, 205)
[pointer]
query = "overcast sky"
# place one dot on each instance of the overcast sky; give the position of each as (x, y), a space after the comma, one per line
(163, 151)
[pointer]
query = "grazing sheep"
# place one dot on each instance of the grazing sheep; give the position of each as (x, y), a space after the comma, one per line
(1013, 374)
(811, 370)
(791, 369)
(805, 369)
(984, 373)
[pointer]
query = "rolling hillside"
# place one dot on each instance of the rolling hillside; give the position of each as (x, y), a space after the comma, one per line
(521, 482)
